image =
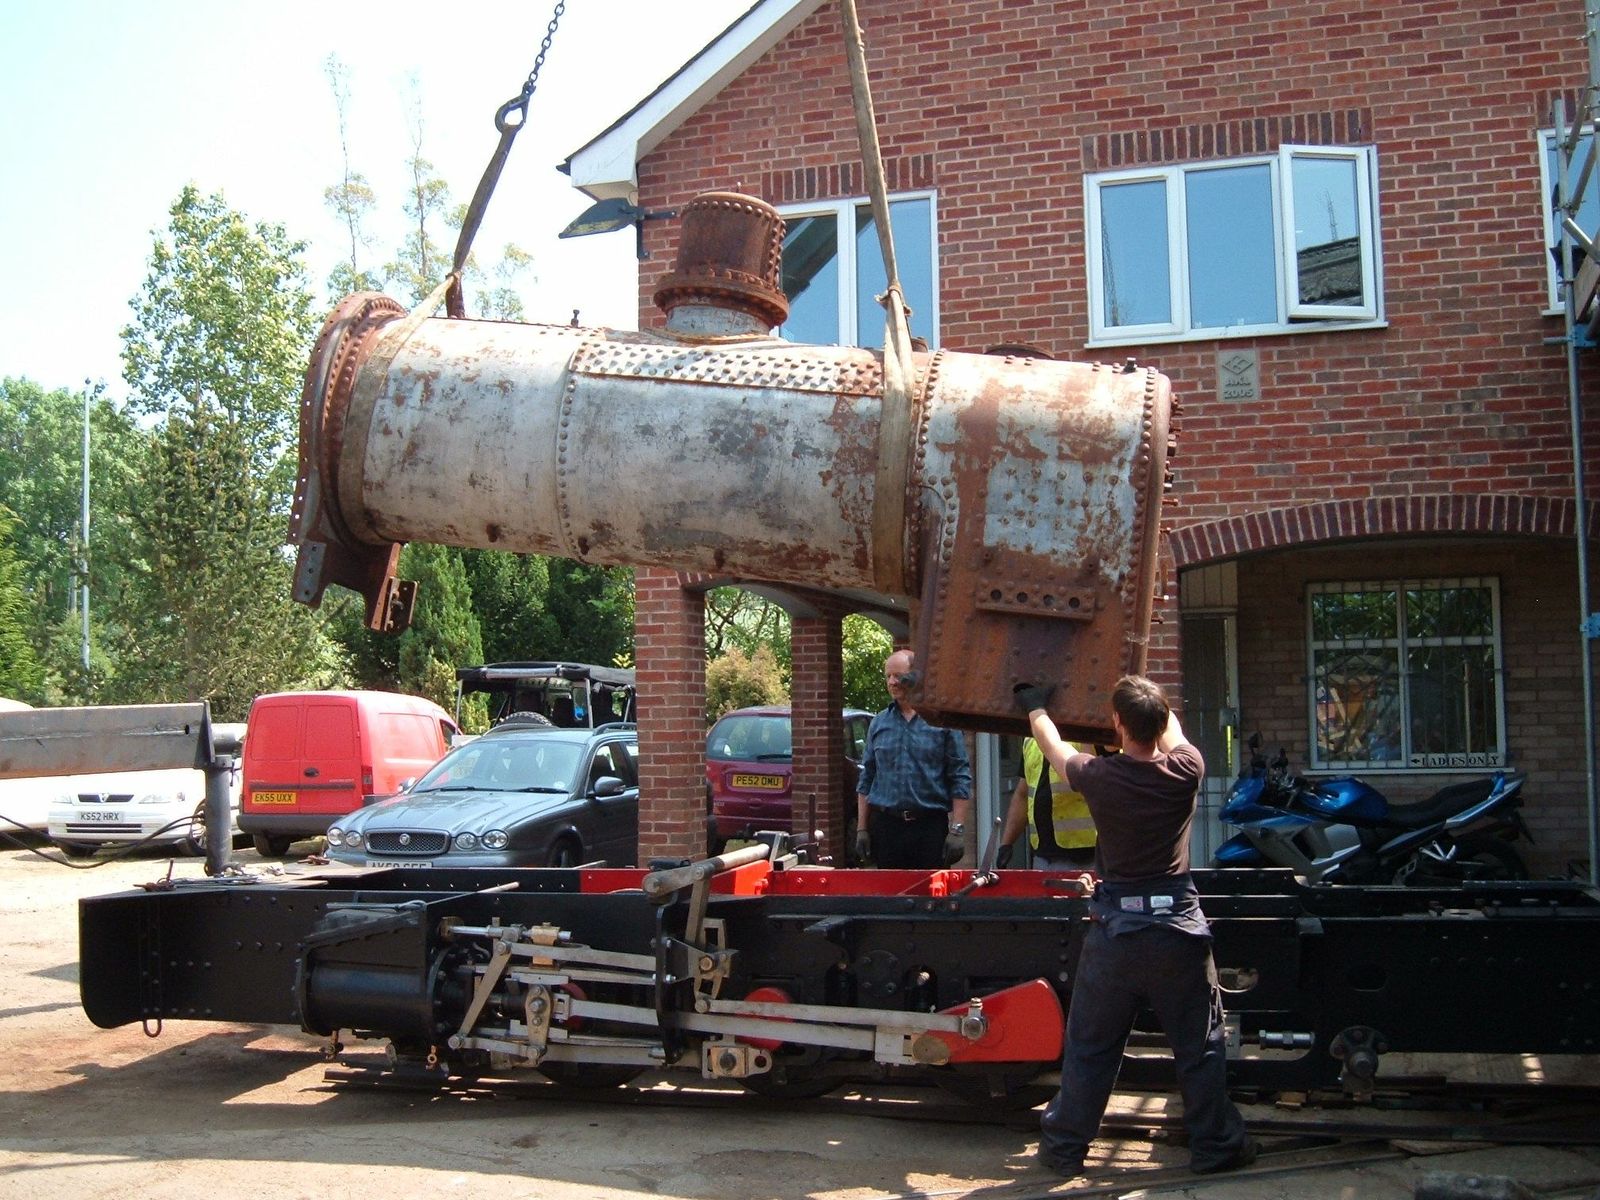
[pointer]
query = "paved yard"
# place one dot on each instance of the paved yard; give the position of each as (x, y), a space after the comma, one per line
(210, 1109)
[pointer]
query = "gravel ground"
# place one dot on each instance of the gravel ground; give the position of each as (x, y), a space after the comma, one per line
(88, 1113)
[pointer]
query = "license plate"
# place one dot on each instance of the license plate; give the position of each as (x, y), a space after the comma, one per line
(770, 782)
(276, 797)
(383, 862)
(99, 814)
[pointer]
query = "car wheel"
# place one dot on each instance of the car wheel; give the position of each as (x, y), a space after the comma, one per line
(565, 853)
(194, 844)
(270, 845)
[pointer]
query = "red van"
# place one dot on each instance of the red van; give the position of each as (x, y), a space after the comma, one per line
(311, 756)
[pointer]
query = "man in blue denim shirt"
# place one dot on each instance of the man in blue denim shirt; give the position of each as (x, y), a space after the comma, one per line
(914, 777)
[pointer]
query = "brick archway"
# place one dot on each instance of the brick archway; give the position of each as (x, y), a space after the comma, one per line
(1388, 516)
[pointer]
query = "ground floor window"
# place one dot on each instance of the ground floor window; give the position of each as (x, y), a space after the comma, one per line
(1406, 674)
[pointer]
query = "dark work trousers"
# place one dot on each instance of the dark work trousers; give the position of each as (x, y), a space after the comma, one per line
(1173, 974)
(917, 844)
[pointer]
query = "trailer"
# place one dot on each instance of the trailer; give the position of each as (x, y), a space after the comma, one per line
(794, 979)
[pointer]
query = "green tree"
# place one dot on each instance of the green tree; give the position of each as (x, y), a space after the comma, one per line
(737, 619)
(21, 676)
(41, 464)
(866, 645)
(66, 679)
(510, 594)
(421, 262)
(591, 611)
(224, 322)
(444, 632)
(739, 680)
(214, 357)
(208, 595)
(352, 199)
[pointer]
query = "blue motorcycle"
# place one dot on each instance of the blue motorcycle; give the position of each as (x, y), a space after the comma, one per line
(1344, 831)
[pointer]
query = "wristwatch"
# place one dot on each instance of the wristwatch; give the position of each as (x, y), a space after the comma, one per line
(957, 828)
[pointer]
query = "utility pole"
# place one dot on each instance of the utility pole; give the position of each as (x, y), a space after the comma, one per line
(1569, 198)
(83, 551)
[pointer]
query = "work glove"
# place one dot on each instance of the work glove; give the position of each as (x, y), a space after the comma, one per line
(954, 847)
(1029, 696)
(863, 846)
(1002, 860)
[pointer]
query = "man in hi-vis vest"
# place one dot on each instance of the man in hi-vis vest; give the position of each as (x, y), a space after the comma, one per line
(1060, 829)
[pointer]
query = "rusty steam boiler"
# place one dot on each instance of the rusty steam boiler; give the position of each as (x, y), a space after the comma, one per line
(1018, 519)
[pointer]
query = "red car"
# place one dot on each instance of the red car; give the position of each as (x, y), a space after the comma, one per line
(749, 758)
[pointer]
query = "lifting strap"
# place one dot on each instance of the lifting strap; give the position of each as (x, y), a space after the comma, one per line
(899, 376)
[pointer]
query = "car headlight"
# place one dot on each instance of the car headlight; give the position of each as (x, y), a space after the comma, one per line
(353, 839)
(335, 836)
(496, 839)
(159, 798)
(466, 841)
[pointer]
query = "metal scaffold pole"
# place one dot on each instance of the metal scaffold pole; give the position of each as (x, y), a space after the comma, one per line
(1568, 201)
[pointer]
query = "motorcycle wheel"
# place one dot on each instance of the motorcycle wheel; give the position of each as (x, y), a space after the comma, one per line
(1479, 858)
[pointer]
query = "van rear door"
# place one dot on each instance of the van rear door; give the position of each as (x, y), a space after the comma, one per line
(303, 756)
(272, 757)
(332, 767)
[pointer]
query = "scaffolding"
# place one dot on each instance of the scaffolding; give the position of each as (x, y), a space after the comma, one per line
(1579, 266)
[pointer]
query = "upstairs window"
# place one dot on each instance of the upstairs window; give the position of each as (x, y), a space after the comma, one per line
(833, 271)
(1406, 674)
(1274, 244)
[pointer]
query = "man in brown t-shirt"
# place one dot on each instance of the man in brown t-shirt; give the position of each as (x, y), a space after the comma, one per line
(1148, 945)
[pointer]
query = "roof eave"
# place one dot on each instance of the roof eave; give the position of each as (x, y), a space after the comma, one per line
(607, 165)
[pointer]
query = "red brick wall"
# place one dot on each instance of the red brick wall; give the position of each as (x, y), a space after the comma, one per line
(818, 698)
(670, 650)
(1000, 106)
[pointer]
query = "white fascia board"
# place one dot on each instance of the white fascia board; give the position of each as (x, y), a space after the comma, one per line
(608, 165)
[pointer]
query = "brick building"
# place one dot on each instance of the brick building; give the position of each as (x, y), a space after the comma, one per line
(1325, 222)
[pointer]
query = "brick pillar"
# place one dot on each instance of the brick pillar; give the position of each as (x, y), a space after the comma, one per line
(670, 659)
(1164, 655)
(816, 698)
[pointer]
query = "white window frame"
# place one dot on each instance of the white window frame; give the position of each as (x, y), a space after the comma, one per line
(1555, 303)
(844, 212)
(1295, 317)
(1407, 762)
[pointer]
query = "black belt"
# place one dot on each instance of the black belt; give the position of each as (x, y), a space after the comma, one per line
(911, 814)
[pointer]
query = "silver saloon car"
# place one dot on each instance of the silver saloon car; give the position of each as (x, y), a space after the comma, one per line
(522, 795)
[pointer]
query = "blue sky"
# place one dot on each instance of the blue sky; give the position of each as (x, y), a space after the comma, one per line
(112, 107)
